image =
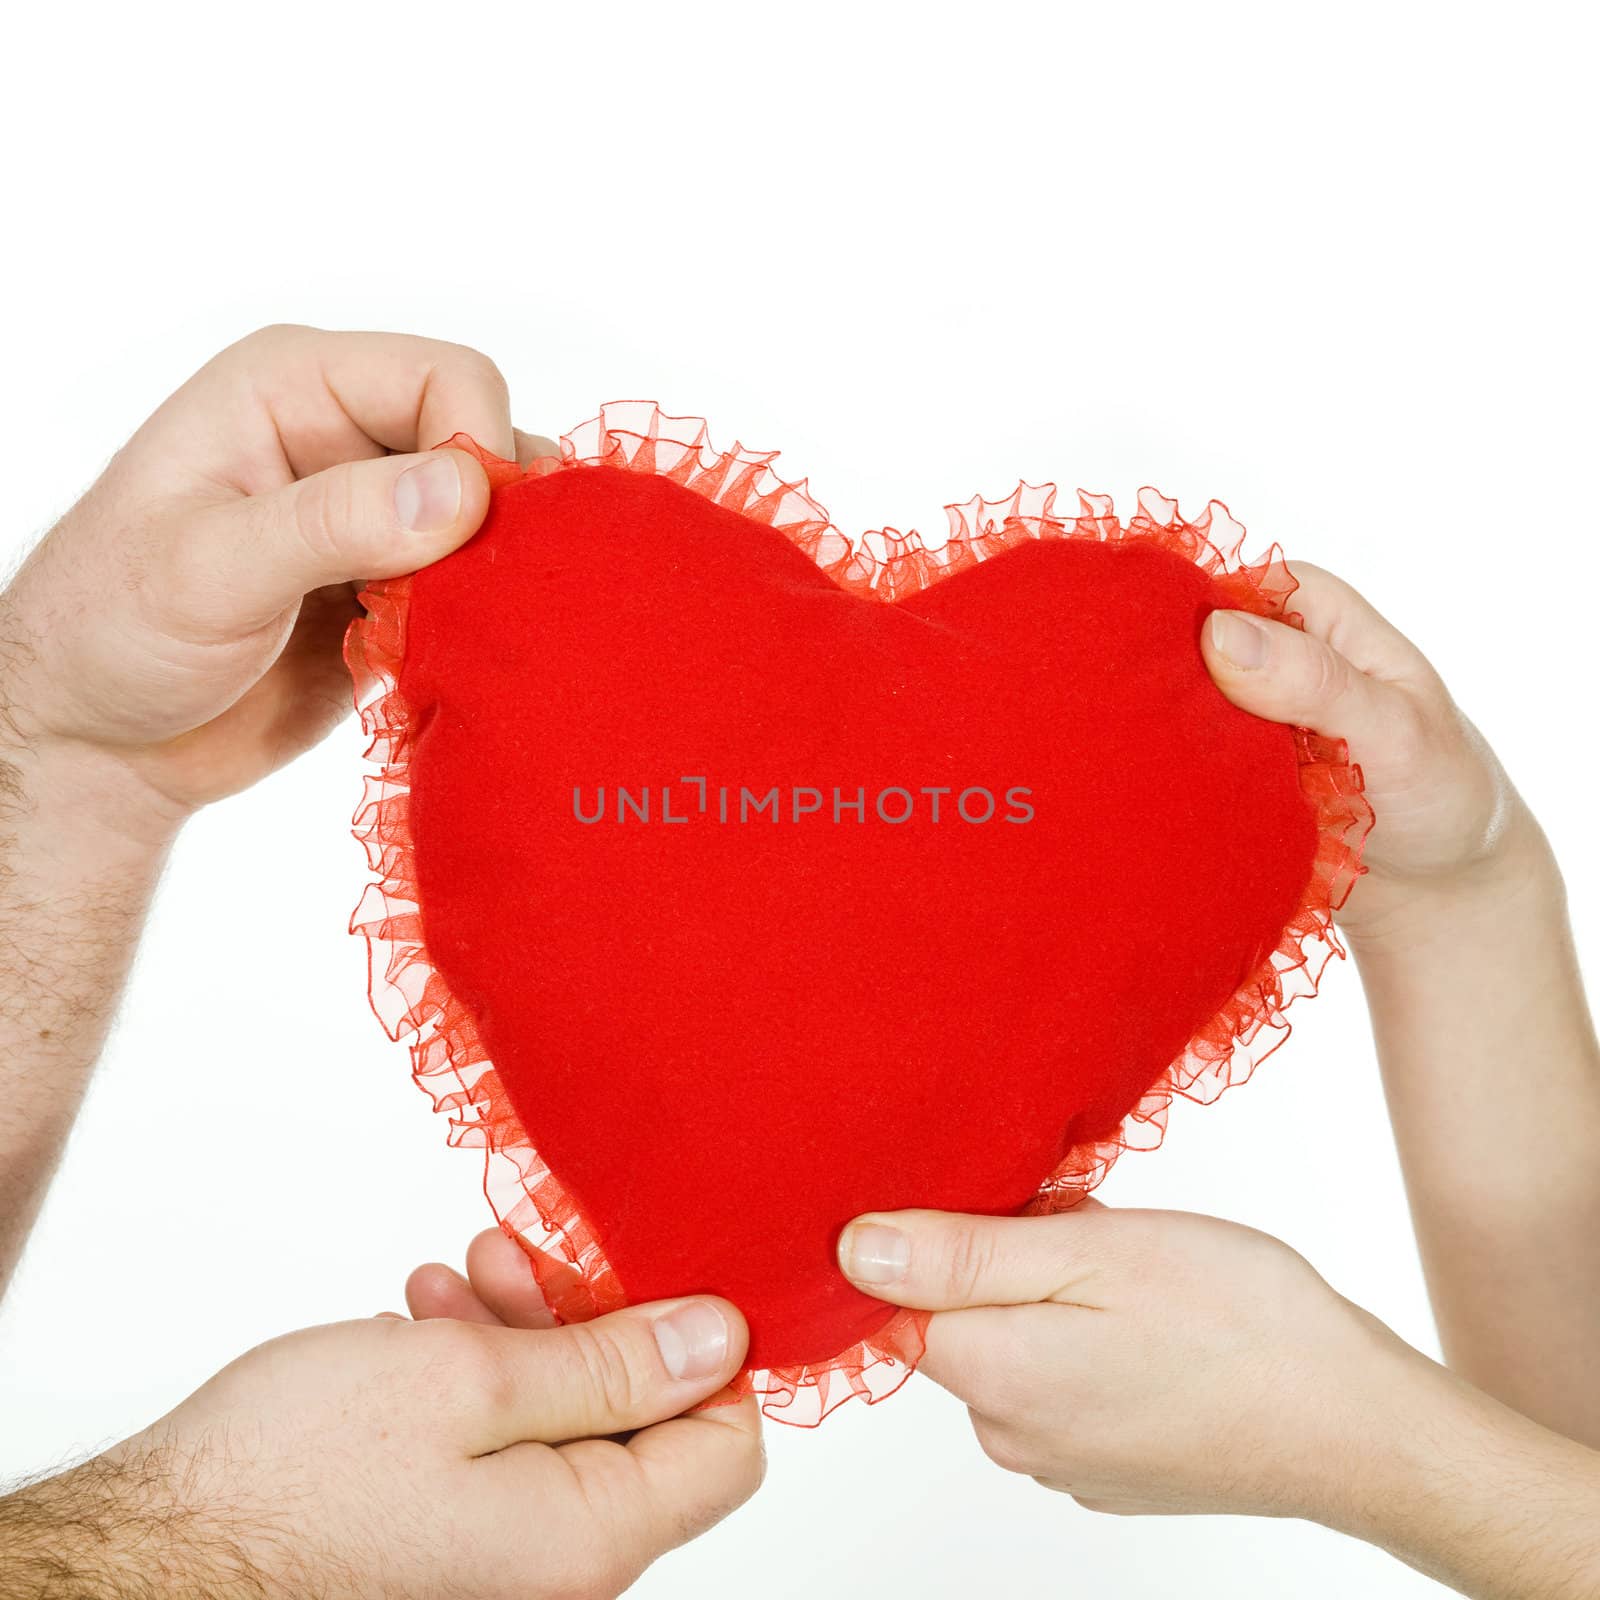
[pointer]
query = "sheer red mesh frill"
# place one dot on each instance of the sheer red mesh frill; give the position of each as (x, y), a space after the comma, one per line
(449, 1061)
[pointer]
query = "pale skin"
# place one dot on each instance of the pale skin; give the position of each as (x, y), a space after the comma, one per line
(1159, 1362)
(1484, 1036)
(175, 639)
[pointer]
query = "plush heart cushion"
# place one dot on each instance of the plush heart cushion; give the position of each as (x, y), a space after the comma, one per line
(779, 884)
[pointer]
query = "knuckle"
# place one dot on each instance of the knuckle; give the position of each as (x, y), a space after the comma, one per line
(173, 579)
(968, 1264)
(1249, 1258)
(274, 333)
(608, 1368)
(471, 363)
(487, 371)
(464, 1361)
(1313, 581)
(320, 508)
(260, 342)
(1327, 675)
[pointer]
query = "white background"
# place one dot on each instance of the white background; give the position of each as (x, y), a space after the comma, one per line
(1333, 265)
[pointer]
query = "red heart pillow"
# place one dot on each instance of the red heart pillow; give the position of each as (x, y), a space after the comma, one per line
(739, 879)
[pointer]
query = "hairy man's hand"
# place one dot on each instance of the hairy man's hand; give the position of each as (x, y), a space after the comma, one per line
(401, 1459)
(182, 624)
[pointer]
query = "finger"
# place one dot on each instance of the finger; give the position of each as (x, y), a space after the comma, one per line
(503, 1280)
(1333, 611)
(634, 1501)
(685, 1474)
(1285, 675)
(239, 565)
(620, 1372)
(988, 1356)
(697, 1469)
(940, 1260)
(319, 397)
(409, 393)
(533, 447)
(435, 1290)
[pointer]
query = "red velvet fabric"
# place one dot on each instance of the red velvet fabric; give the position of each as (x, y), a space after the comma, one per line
(725, 1038)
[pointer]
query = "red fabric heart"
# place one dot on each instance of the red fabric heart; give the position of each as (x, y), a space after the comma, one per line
(739, 879)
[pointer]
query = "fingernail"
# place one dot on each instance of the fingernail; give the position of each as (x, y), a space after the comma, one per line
(1241, 639)
(871, 1253)
(427, 497)
(693, 1340)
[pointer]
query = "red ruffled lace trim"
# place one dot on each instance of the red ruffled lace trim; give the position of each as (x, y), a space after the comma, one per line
(448, 1058)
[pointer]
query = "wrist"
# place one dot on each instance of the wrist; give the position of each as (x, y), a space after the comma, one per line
(1517, 877)
(1400, 1436)
(75, 786)
(1474, 1494)
(1351, 1418)
(80, 802)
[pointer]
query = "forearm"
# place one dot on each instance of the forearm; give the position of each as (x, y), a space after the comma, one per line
(79, 860)
(1472, 1493)
(116, 1528)
(1493, 1081)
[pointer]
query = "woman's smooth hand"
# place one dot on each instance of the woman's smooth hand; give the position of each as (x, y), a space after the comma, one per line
(1153, 1361)
(1448, 816)
(1143, 1361)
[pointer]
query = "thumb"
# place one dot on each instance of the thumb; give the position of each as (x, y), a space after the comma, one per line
(245, 563)
(943, 1261)
(612, 1375)
(1285, 675)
